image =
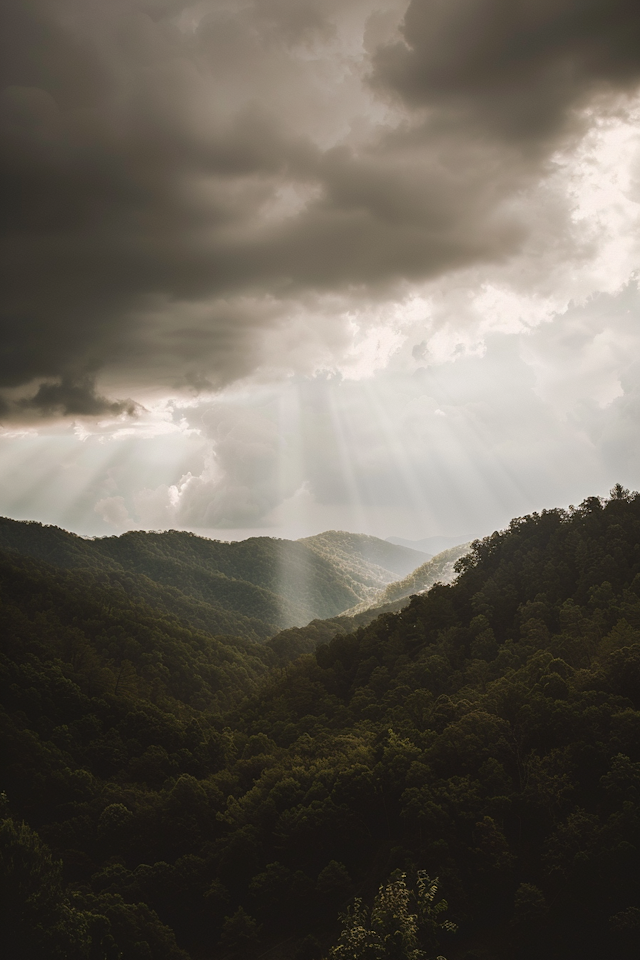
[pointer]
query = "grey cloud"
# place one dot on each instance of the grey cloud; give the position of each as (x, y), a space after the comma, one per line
(515, 66)
(74, 397)
(394, 213)
(177, 177)
(119, 180)
(459, 446)
(298, 21)
(240, 485)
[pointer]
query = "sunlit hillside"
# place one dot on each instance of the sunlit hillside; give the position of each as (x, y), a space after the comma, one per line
(438, 569)
(366, 563)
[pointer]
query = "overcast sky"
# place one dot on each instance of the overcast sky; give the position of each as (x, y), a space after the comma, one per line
(279, 266)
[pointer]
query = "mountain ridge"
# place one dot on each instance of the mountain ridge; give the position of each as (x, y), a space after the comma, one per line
(367, 563)
(432, 545)
(279, 583)
(438, 569)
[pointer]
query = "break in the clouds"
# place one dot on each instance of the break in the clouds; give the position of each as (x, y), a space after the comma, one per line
(382, 228)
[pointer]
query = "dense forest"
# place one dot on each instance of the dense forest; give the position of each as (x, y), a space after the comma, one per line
(172, 791)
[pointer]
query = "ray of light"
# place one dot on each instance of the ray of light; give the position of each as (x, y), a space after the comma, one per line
(398, 453)
(293, 581)
(345, 451)
(50, 474)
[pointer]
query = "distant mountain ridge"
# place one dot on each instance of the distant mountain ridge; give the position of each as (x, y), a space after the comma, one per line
(156, 779)
(430, 545)
(252, 588)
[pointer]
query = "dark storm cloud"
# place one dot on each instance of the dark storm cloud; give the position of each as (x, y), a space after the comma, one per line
(102, 201)
(514, 66)
(171, 181)
(75, 398)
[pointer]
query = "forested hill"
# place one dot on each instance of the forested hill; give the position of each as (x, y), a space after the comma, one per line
(253, 587)
(439, 569)
(488, 733)
(367, 564)
(295, 641)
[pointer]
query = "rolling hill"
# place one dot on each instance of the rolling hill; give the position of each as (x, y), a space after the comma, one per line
(366, 563)
(439, 569)
(294, 641)
(252, 588)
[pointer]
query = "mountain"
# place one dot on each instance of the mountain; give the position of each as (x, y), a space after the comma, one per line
(252, 588)
(366, 563)
(172, 794)
(110, 638)
(430, 545)
(489, 733)
(295, 641)
(439, 569)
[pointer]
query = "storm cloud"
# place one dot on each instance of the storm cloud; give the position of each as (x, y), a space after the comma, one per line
(515, 67)
(185, 182)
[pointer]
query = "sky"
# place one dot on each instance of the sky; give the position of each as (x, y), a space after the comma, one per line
(272, 267)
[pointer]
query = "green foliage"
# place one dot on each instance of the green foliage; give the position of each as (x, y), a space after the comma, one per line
(240, 934)
(400, 922)
(490, 729)
(367, 565)
(438, 569)
(101, 641)
(295, 641)
(530, 908)
(334, 882)
(39, 920)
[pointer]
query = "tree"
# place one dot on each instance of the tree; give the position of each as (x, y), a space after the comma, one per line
(240, 934)
(402, 922)
(36, 918)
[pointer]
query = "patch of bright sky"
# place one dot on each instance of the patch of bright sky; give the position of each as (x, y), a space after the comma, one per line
(603, 184)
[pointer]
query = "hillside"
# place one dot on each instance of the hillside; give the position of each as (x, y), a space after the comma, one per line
(293, 642)
(488, 733)
(252, 588)
(366, 563)
(439, 569)
(105, 639)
